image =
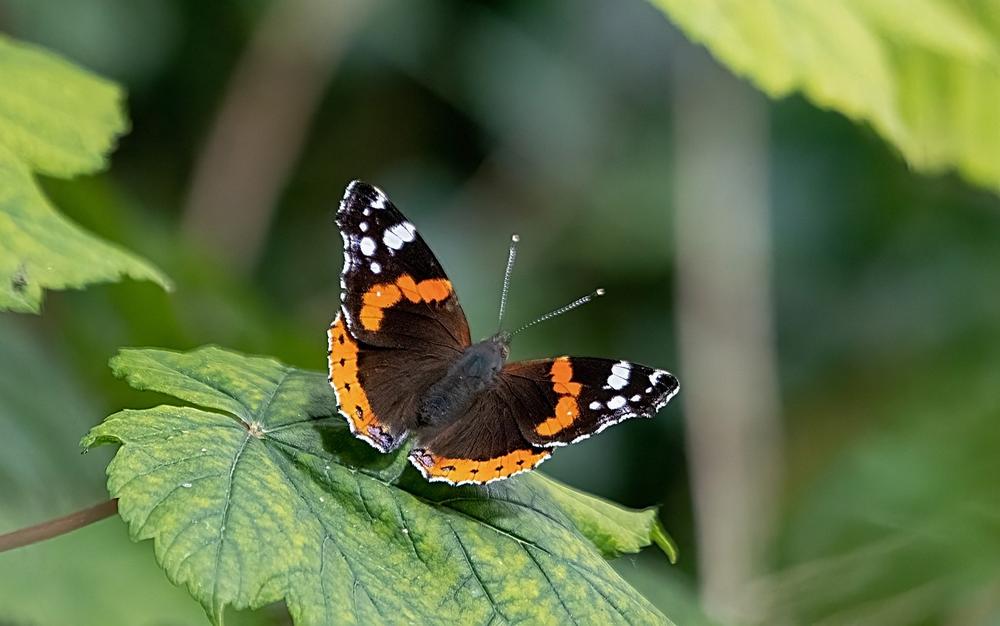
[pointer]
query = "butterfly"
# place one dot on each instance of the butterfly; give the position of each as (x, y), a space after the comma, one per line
(402, 363)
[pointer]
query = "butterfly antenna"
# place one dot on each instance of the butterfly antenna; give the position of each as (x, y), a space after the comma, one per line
(511, 255)
(569, 307)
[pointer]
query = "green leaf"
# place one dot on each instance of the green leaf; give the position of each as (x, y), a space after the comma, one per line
(924, 73)
(263, 494)
(58, 120)
(614, 530)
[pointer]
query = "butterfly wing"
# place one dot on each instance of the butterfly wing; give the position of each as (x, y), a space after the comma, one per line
(535, 406)
(400, 324)
(483, 446)
(394, 293)
(559, 401)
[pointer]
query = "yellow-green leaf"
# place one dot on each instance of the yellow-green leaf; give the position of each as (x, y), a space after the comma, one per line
(924, 73)
(260, 493)
(59, 120)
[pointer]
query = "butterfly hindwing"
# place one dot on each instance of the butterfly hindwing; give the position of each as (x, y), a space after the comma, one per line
(485, 445)
(400, 324)
(559, 401)
(372, 386)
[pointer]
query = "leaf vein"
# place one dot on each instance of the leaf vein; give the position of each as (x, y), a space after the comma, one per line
(227, 507)
(494, 607)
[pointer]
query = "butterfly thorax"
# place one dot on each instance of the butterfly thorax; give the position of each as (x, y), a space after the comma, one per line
(474, 372)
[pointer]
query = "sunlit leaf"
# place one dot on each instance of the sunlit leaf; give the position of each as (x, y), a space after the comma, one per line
(55, 119)
(924, 73)
(263, 494)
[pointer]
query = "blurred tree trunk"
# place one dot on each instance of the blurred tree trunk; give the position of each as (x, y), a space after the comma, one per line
(728, 368)
(262, 123)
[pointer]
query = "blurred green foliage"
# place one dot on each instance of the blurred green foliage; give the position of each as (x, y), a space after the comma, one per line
(923, 73)
(58, 120)
(552, 120)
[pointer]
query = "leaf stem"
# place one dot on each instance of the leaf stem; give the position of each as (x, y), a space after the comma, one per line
(57, 526)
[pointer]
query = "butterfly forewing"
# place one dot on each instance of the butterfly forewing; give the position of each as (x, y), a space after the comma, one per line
(393, 290)
(400, 323)
(563, 400)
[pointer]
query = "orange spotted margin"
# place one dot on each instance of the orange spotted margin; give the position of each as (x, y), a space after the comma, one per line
(460, 471)
(567, 408)
(381, 296)
(351, 397)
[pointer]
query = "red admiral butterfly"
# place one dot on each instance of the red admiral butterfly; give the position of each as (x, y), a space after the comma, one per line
(402, 363)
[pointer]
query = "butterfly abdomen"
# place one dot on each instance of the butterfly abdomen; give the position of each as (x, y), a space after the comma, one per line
(473, 373)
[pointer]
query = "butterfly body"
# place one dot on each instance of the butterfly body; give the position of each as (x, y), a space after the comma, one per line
(473, 373)
(403, 365)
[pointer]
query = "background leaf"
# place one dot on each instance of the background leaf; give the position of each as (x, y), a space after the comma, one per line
(925, 74)
(59, 120)
(265, 495)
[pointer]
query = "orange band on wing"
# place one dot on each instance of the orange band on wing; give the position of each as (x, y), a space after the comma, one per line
(470, 471)
(381, 296)
(351, 396)
(567, 408)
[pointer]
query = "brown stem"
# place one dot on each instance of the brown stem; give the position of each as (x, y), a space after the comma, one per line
(58, 526)
(263, 123)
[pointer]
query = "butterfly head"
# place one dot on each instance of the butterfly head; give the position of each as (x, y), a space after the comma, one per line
(501, 343)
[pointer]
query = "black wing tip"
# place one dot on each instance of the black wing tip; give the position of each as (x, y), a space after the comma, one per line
(670, 382)
(361, 194)
(355, 186)
(667, 385)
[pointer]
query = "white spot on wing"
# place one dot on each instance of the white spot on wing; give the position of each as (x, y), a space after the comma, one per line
(376, 268)
(363, 226)
(595, 405)
(616, 403)
(399, 234)
(636, 398)
(619, 375)
(367, 246)
(410, 231)
(392, 240)
(379, 202)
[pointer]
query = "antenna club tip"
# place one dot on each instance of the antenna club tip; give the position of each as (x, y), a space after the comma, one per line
(599, 292)
(515, 238)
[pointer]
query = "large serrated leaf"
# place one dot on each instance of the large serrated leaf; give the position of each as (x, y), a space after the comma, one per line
(263, 494)
(59, 120)
(924, 73)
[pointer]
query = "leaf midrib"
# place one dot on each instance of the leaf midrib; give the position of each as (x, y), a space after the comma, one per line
(217, 606)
